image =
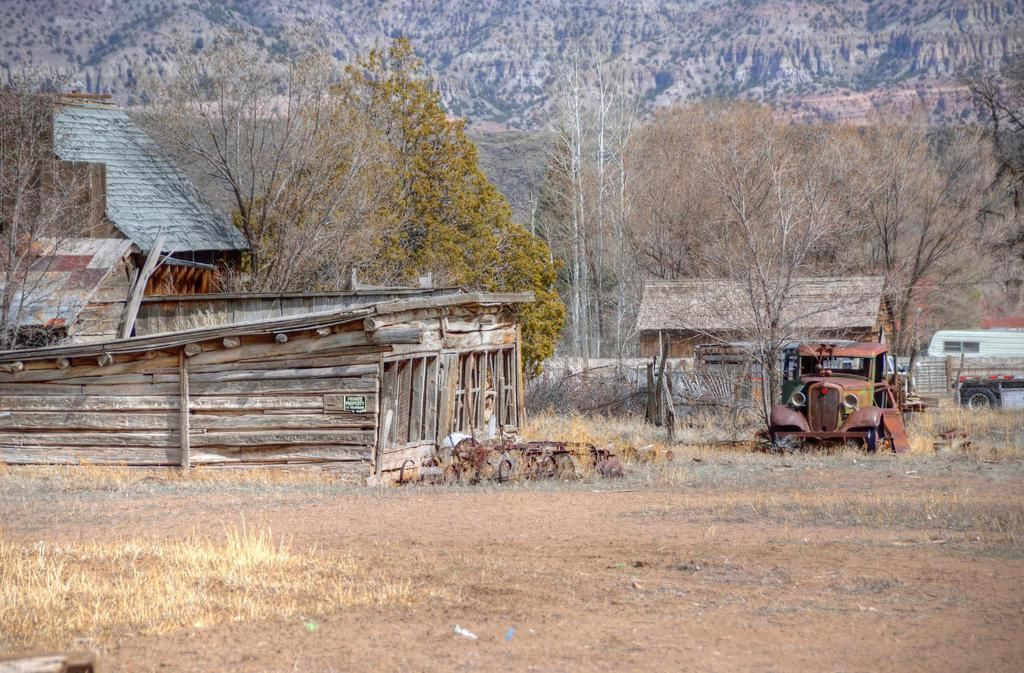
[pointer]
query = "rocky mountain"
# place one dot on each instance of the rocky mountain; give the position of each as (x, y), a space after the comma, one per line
(496, 60)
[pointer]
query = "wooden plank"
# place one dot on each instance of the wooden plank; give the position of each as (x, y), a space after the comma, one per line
(254, 403)
(158, 365)
(118, 439)
(447, 380)
(430, 400)
(122, 389)
(280, 455)
(93, 455)
(335, 359)
(70, 420)
(520, 389)
(306, 437)
(300, 347)
(183, 413)
(283, 421)
(89, 403)
(397, 335)
(419, 371)
(131, 308)
(18, 389)
(351, 385)
(404, 400)
(393, 459)
(242, 373)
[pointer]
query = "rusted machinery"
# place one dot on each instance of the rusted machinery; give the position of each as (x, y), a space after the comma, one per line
(470, 461)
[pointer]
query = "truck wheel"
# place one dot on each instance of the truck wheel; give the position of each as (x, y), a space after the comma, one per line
(977, 398)
(875, 435)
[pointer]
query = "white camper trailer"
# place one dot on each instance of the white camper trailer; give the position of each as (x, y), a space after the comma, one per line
(981, 343)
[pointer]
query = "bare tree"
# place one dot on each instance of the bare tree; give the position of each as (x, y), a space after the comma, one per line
(920, 200)
(290, 154)
(41, 207)
(778, 191)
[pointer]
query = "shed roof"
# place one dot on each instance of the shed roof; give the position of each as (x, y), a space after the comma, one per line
(146, 194)
(270, 326)
(63, 278)
(717, 305)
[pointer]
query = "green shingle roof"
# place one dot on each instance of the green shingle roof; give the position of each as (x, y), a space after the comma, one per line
(146, 194)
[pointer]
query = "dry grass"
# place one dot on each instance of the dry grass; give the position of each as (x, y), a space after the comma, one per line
(88, 477)
(995, 433)
(54, 594)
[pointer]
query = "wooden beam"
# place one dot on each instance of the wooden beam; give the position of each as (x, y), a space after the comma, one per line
(105, 359)
(183, 419)
(192, 349)
(12, 367)
(131, 309)
(281, 338)
(232, 342)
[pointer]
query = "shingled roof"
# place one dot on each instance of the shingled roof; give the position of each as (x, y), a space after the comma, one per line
(711, 305)
(146, 194)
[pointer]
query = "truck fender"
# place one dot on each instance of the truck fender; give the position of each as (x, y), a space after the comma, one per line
(784, 417)
(868, 417)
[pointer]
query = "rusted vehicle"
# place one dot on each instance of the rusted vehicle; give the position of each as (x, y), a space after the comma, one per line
(845, 393)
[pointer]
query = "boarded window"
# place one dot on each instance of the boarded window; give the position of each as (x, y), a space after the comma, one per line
(410, 394)
(486, 392)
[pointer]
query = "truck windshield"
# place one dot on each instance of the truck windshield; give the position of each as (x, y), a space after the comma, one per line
(841, 366)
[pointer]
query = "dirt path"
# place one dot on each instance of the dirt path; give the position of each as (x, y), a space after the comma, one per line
(778, 575)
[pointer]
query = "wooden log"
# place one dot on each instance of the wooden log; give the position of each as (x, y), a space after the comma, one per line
(60, 421)
(160, 364)
(323, 331)
(183, 413)
(260, 403)
(12, 367)
(118, 439)
(70, 403)
(333, 360)
(142, 456)
(232, 342)
(283, 422)
(105, 359)
(63, 363)
(240, 373)
(281, 338)
(397, 335)
(336, 385)
(131, 307)
(276, 438)
(193, 349)
(266, 351)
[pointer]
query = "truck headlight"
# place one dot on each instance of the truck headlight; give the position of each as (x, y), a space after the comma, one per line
(851, 402)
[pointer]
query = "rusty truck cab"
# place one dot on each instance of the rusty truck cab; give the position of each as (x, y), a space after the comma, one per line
(843, 394)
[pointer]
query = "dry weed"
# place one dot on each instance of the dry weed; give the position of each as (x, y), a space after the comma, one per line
(54, 594)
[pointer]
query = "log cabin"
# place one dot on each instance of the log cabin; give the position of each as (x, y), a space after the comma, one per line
(363, 390)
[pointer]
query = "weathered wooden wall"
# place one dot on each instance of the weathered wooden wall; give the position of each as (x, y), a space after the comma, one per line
(257, 402)
(401, 380)
(465, 372)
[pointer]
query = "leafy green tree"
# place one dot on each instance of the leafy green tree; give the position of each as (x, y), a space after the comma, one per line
(441, 214)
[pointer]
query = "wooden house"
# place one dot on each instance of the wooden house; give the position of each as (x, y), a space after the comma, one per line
(682, 314)
(364, 390)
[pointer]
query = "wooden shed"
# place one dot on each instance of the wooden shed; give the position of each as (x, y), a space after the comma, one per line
(683, 314)
(362, 390)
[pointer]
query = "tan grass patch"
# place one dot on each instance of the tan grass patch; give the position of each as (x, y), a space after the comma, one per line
(87, 477)
(54, 594)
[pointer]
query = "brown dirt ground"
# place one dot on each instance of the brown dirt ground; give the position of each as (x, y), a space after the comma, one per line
(759, 566)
